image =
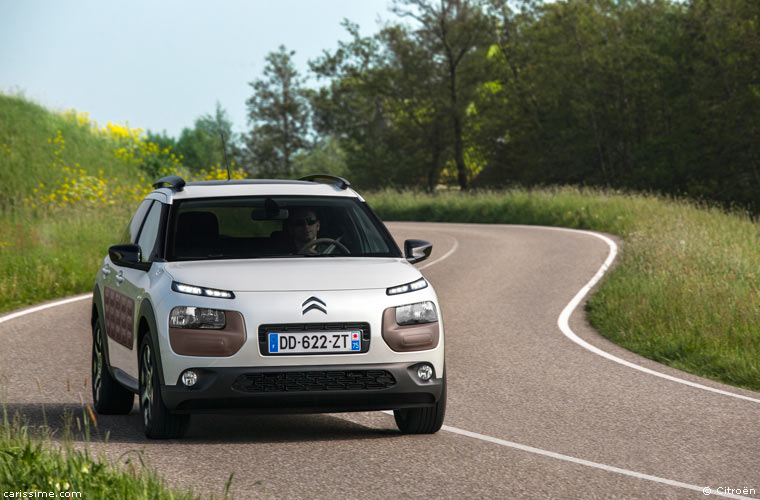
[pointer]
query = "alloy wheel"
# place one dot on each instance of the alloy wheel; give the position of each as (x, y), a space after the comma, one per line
(146, 389)
(97, 363)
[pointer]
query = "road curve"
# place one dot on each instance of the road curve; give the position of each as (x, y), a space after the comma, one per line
(531, 414)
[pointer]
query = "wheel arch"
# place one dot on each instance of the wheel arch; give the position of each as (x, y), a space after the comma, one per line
(98, 314)
(147, 324)
(97, 306)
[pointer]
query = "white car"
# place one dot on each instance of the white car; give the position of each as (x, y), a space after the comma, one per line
(269, 296)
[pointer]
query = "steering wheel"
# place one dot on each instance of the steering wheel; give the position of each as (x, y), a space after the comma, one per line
(324, 241)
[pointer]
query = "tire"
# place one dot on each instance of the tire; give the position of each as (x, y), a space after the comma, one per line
(108, 396)
(158, 421)
(425, 420)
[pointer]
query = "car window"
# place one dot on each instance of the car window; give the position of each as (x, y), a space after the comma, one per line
(129, 235)
(149, 232)
(258, 227)
(373, 241)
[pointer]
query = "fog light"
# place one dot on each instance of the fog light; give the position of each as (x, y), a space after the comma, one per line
(189, 378)
(424, 372)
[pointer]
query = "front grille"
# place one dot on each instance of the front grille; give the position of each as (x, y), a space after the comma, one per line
(264, 330)
(337, 380)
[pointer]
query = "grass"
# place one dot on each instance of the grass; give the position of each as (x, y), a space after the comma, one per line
(35, 459)
(54, 255)
(686, 290)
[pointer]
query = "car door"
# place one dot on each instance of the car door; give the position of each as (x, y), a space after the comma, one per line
(121, 296)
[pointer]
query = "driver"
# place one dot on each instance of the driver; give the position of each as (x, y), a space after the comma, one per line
(302, 227)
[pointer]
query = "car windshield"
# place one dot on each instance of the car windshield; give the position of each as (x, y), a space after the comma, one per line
(276, 226)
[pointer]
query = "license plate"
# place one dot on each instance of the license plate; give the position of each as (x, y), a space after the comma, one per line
(315, 342)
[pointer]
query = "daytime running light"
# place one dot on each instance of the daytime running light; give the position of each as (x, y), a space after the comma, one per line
(408, 287)
(204, 292)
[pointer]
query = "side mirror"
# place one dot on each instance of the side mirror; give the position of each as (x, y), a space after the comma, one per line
(127, 256)
(417, 250)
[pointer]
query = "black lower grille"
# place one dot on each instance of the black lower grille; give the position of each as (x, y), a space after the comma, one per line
(354, 380)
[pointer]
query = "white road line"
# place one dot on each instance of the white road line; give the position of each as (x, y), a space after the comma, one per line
(580, 461)
(447, 254)
(564, 317)
(18, 314)
(564, 326)
(563, 323)
(587, 463)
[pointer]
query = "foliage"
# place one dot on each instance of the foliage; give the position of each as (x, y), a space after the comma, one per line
(385, 107)
(455, 35)
(279, 114)
(656, 95)
(210, 143)
(397, 100)
(325, 156)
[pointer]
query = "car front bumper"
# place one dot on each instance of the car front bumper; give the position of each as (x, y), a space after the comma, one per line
(299, 389)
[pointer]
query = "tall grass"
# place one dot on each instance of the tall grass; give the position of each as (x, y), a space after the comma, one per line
(54, 255)
(686, 291)
(36, 459)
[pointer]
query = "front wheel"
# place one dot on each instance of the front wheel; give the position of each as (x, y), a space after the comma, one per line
(158, 421)
(426, 420)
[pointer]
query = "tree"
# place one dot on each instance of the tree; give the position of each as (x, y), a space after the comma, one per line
(655, 95)
(386, 104)
(325, 156)
(278, 112)
(452, 31)
(201, 146)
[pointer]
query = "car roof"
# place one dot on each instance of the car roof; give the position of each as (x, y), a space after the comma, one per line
(251, 187)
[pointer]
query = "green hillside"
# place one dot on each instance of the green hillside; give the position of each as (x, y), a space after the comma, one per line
(67, 187)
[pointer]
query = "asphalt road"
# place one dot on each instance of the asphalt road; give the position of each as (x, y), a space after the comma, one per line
(531, 414)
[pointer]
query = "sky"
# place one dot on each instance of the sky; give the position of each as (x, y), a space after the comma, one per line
(161, 64)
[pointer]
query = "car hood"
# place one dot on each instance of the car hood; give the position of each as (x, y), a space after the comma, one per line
(294, 274)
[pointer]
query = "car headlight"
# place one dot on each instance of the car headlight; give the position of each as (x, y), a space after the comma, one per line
(199, 290)
(197, 317)
(408, 287)
(413, 314)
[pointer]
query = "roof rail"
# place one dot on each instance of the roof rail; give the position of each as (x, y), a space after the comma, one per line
(175, 182)
(340, 182)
